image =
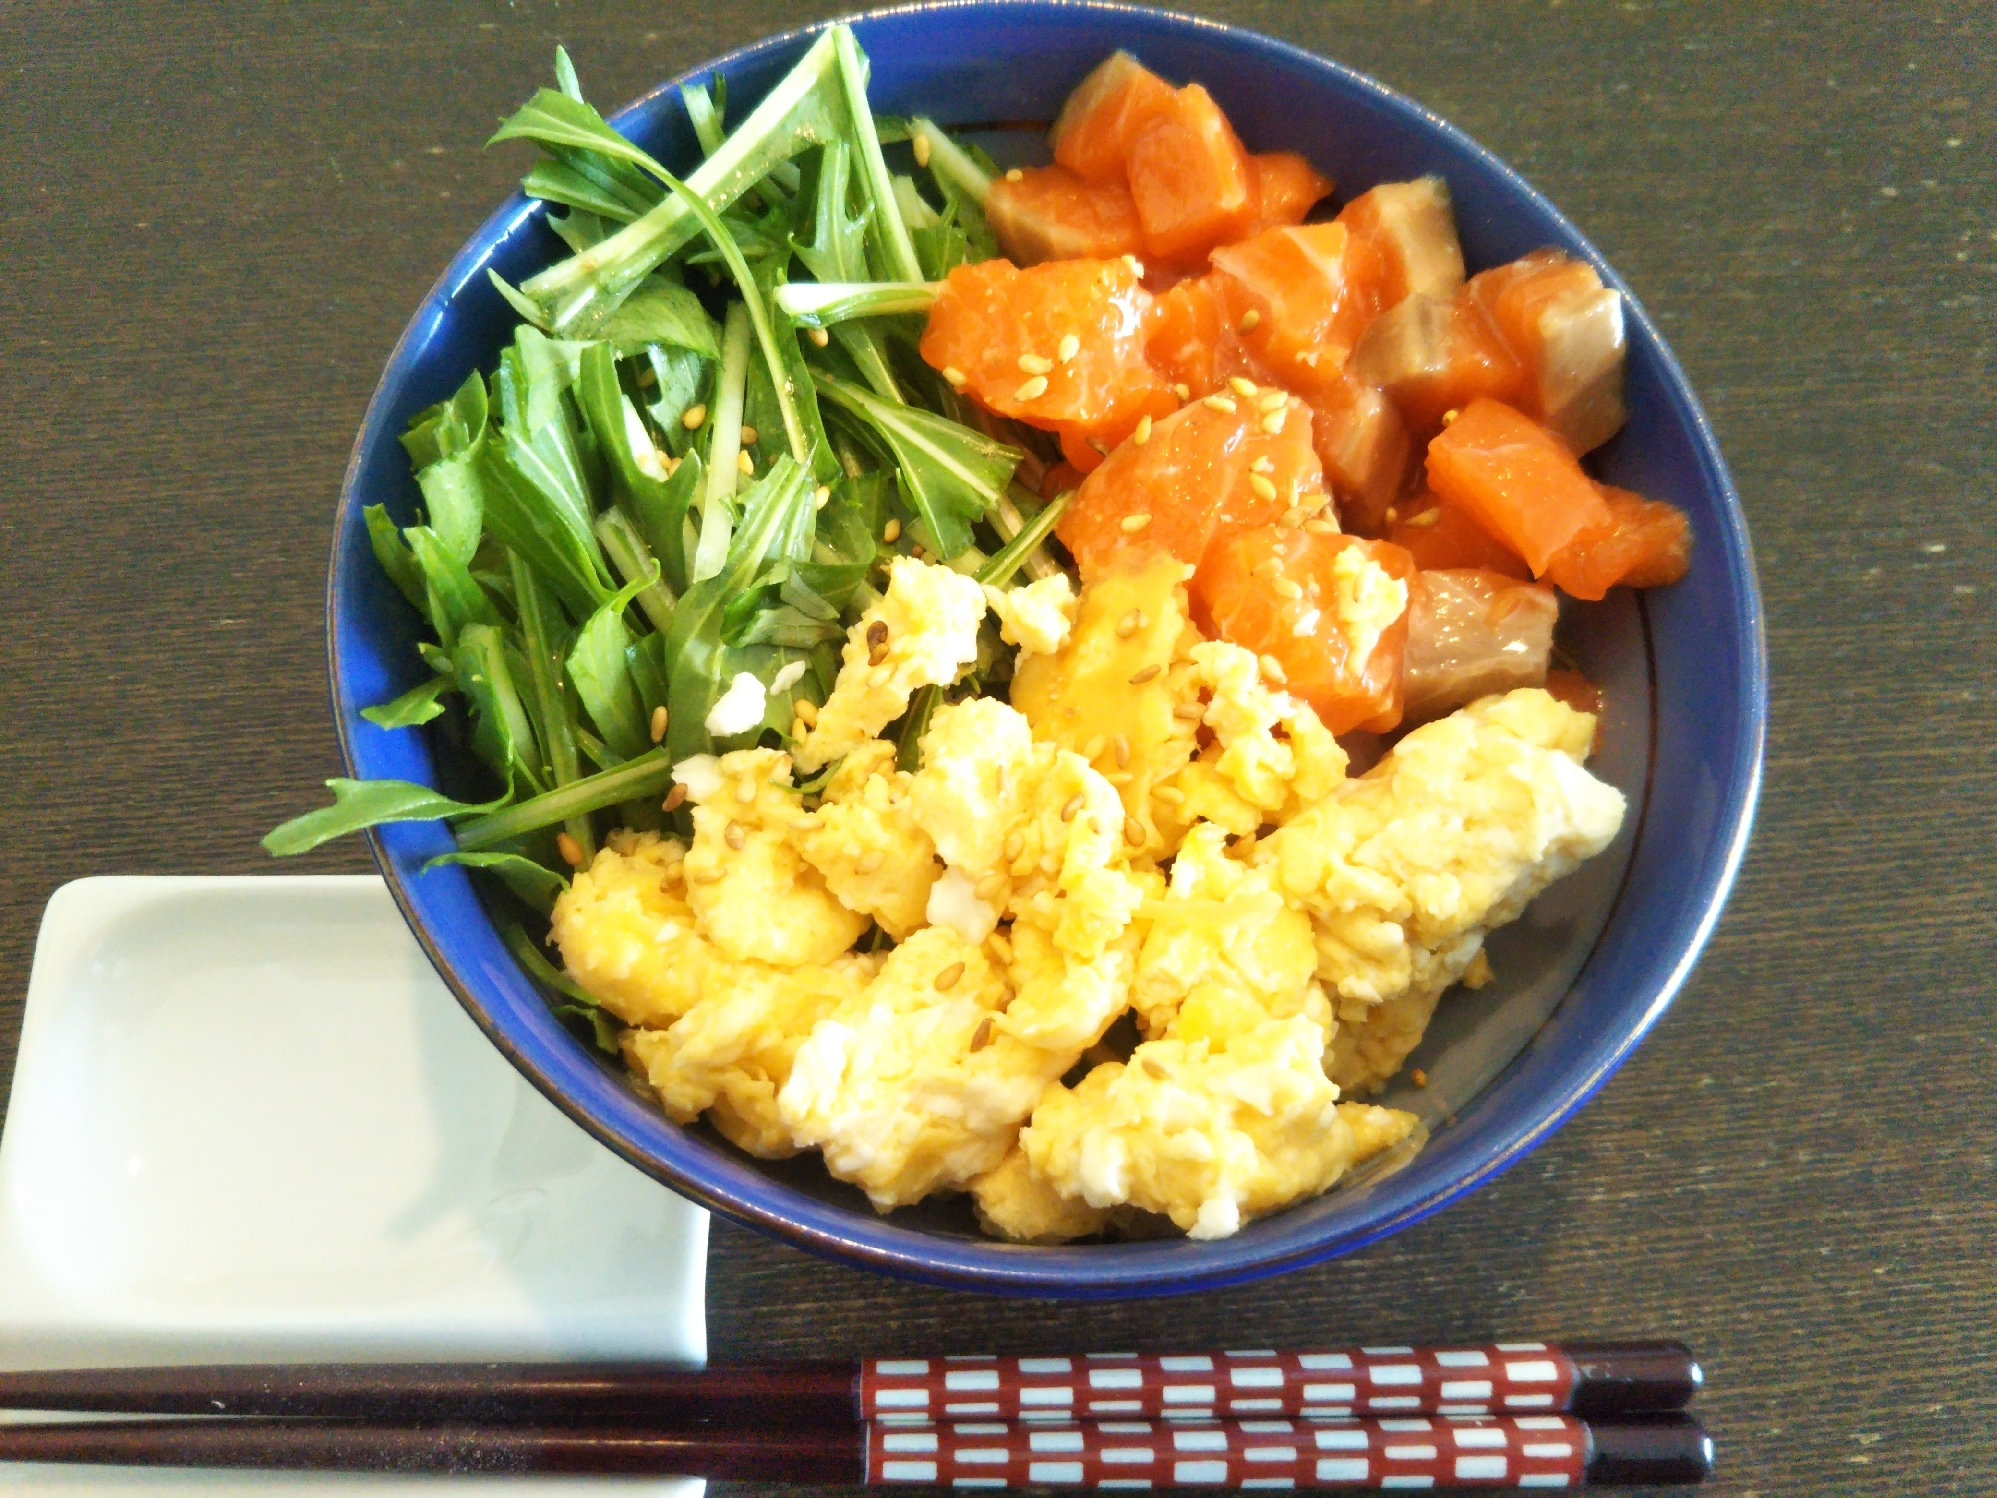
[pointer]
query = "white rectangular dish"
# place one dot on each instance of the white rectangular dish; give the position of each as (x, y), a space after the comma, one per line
(249, 1123)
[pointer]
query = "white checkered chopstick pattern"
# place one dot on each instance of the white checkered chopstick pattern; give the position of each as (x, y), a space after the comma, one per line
(1499, 1377)
(1547, 1452)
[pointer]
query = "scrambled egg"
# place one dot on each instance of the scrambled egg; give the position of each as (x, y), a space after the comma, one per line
(1013, 1202)
(1121, 693)
(1035, 833)
(1088, 850)
(1227, 1117)
(627, 934)
(751, 890)
(911, 1084)
(1222, 924)
(1404, 869)
(1038, 617)
(731, 1053)
(1270, 756)
(921, 633)
(865, 842)
(1367, 600)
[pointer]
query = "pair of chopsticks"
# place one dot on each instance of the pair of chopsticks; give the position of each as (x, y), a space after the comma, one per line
(1498, 1415)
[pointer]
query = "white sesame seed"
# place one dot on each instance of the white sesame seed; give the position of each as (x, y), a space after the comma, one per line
(1130, 525)
(746, 463)
(1032, 389)
(1262, 487)
(821, 496)
(1183, 391)
(954, 376)
(1136, 265)
(1034, 364)
(921, 147)
(1219, 403)
(1263, 464)
(659, 721)
(1143, 433)
(1426, 517)
(1070, 346)
(1249, 319)
(1273, 669)
(1287, 587)
(693, 418)
(1015, 175)
(1242, 386)
(820, 337)
(1273, 422)
(891, 532)
(1275, 400)
(1321, 527)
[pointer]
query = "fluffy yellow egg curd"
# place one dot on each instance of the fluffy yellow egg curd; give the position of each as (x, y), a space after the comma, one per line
(921, 974)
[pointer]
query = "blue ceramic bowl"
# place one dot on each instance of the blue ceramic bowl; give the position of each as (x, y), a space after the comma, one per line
(1685, 668)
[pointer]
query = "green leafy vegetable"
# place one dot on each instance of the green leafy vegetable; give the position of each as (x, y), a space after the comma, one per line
(647, 775)
(807, 108)
(536, 884)
(359, 804)
(950, 475)
(417, 705)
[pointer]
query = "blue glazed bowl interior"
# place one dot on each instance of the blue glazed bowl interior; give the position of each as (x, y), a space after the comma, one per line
(1597, 960)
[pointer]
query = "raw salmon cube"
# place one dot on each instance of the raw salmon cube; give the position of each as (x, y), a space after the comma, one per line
(1414, 229)
(1336, 633)
(1287, 187)
(1059, 346)
(1520, 482)
(1190, 177)
(1093, 135)
(1203, 472)
(1646, 544)
(1566, 330)
(1300, 298)
(1444, 536)
(1049, 213)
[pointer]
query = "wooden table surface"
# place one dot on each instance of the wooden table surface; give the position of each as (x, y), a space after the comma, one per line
(218, 217)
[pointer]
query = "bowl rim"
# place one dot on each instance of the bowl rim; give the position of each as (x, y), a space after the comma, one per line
(991, 1266)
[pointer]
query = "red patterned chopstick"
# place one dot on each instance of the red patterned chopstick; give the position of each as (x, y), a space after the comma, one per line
(1505, 1377)
(1509, 1377)
(1531, 1451)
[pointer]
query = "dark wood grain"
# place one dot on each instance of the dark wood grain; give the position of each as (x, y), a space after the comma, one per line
(217, 218)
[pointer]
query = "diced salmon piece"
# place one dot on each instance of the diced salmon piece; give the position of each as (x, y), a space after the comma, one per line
(1566, 330)
(1049, 213)
(1517, 479)
(998, 333)
(1645, 544)
(1444, 536)
(1364, 447)
(1413, 227)
(1339, 643)
(1433, 355)
(1200, 473)
(1093, 135)
(1299, 298)
(1189, 175)
(1472, 633)
(1287, 187)
(1189, 339)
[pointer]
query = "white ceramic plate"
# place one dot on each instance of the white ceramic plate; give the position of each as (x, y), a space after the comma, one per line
(248, 1123)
